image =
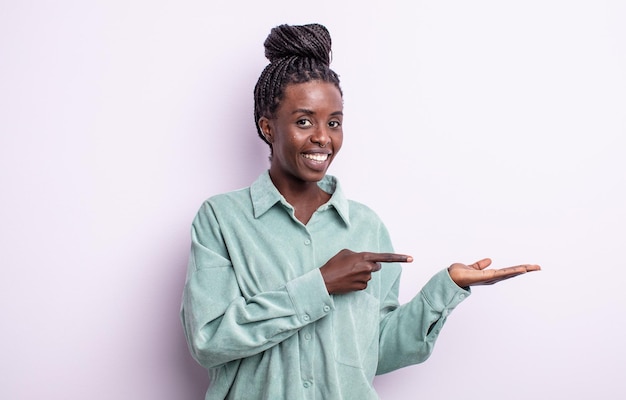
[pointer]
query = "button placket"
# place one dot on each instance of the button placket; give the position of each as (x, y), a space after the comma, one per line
(307, 354)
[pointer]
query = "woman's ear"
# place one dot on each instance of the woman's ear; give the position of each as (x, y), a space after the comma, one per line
(266, 128)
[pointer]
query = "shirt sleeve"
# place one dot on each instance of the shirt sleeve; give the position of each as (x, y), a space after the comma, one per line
(408, 332)
(219, 323)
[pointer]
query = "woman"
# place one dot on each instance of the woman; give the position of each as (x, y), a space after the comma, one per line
(285, 295)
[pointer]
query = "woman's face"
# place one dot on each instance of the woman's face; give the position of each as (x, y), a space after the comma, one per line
(306, 132)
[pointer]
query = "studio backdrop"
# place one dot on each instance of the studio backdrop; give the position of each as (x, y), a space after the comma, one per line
(474, 129)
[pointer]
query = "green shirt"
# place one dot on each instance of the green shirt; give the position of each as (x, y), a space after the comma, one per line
(257, 315)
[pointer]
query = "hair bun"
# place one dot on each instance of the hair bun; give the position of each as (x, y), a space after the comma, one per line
(307, 41)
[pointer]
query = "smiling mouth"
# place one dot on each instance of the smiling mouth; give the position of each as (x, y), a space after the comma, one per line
(316, 156)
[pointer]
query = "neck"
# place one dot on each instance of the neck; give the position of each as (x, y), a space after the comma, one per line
(304, 197)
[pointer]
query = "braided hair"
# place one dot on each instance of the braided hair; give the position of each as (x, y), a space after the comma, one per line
(297, 54)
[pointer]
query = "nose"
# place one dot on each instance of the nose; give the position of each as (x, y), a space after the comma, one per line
(321, 137)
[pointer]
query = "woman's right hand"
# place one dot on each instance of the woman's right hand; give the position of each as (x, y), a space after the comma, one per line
(348, 271)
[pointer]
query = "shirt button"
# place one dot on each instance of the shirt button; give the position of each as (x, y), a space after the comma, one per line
(307, 384)
(307, 242)
(326, 309)
(307, 336)
(462, 296)
(306, 317)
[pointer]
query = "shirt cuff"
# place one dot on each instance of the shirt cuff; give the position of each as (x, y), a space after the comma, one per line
(442, 293)
(309, 296)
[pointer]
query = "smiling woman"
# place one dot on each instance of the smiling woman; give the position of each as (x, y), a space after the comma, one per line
(285, 296)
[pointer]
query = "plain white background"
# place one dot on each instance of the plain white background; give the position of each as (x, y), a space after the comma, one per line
(475, 129)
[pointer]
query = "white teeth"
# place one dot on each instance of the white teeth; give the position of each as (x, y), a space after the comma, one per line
(316, 157)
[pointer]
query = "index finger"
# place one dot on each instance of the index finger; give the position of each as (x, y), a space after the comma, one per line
(522, 268)
(387, 257)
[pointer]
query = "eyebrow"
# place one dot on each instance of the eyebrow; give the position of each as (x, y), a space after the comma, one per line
(310, 112)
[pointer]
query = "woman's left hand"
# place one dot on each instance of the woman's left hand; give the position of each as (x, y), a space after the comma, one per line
(476, 274)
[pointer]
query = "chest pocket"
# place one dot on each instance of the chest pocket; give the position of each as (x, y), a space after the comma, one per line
(355, 324)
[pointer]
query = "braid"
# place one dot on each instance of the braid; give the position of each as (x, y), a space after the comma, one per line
(297, 54)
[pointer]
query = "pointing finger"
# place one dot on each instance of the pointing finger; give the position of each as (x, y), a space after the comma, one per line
(387, 257)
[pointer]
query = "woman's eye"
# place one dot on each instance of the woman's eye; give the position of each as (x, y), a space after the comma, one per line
(334, 124)
(304, 122)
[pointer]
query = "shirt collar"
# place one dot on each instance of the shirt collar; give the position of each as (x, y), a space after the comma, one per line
(264, 195)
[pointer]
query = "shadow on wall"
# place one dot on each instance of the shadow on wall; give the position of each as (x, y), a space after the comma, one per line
(244, 157)
(193, 376)
(187, 379)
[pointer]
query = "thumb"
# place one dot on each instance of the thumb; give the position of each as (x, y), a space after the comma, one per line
(482, 264)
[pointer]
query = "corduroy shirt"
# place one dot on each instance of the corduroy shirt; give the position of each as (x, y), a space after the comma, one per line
(257, 315)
